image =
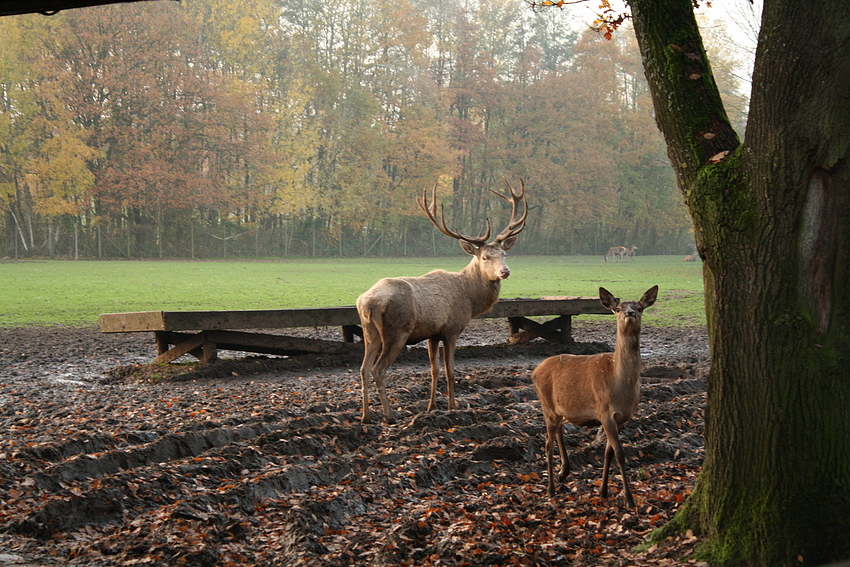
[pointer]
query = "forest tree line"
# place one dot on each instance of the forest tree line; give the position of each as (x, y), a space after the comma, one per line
(212, 128)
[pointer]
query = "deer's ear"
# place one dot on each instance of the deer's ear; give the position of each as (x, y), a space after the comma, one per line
(607, 298)
(468, 247)
(509, 242)
(649, 297)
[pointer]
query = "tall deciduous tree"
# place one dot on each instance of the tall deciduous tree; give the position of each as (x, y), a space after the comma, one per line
(170, 126)
(772, 217)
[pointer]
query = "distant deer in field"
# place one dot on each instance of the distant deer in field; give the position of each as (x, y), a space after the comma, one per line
(596, 389)
(436, 306)
(620, 252)
(615, 252)
(692, 257)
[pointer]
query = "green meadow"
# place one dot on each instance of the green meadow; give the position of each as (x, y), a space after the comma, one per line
(40, 293)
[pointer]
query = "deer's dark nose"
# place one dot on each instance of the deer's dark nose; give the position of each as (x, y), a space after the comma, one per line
(506, 271)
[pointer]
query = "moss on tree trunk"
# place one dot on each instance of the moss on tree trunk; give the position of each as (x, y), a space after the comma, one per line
(772, 218)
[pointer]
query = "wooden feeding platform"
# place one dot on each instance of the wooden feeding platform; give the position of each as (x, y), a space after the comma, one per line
(203, 333)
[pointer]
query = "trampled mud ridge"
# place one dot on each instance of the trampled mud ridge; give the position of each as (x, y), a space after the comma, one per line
(263, 461)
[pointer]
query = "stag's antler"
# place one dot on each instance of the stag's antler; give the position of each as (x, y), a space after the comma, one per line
(515, 225)
(430, 211)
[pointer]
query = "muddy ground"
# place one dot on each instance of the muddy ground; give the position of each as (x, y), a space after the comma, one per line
(107, 460)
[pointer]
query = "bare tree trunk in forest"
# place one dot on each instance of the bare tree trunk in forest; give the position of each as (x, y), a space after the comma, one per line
(772, 218)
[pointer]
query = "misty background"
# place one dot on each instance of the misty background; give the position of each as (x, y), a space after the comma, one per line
(256, 128)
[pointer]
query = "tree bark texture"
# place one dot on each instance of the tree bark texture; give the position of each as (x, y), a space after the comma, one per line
(772, 217)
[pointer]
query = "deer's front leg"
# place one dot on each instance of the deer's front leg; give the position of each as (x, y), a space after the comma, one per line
(615, 449)
(434, 358)
(449, 345)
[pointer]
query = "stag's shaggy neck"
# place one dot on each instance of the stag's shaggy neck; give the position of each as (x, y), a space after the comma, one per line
(482, 292)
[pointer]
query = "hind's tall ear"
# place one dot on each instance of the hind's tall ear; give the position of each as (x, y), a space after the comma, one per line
(649, 297)
(607, 298)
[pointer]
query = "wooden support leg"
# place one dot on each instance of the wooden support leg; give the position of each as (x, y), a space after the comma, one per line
(557, 330)
(566, 322)
(515, 325)
(161, 341)
(349, 332)
(188, 345)
(210, 353)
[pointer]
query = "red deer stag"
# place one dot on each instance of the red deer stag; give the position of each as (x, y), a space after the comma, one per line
(436, 306)
(595, 389)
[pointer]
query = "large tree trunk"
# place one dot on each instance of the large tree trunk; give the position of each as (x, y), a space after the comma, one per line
(773, 226)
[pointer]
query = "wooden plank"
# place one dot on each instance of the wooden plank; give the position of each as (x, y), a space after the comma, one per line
(277, 344)
(522, 307)
(218, 330)
(210, 320)
(213, 341)
(261, 319)
(129, 322)
(319, 317)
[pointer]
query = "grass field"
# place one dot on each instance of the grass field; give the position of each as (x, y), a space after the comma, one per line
(38, 293)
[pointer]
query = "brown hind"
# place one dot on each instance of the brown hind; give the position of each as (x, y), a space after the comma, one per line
(595, 389)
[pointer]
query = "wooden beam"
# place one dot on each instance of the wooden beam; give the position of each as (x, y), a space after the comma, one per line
(205, 345)
(221, 330)
(214, 320)
(320, 317)
(557, 330)
(130, 322)
(191, 343)
(278, 344)
(558, 305)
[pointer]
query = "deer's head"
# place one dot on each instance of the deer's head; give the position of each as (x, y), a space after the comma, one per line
(489, 256)
(628, 312)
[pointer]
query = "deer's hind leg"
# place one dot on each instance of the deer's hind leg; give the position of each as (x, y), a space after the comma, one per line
(389, 352)
(555, 434)
(565, 457)
(371, 346)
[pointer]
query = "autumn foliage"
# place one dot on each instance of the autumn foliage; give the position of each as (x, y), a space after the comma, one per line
(219, 128)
